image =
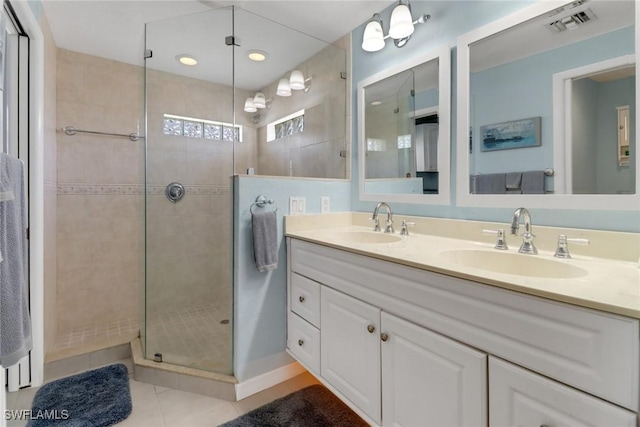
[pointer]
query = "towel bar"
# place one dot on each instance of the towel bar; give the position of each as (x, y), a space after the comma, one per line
(261, 202)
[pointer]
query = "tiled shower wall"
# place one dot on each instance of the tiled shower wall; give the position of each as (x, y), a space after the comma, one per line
(189, 255)
(99, 191)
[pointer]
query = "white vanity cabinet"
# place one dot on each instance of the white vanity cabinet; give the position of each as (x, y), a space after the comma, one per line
(425, 379)
(518, 397)
(429, 380)
(549, 361)
(350, 353)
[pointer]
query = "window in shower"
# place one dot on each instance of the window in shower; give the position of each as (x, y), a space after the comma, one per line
(201, 128)
(287, 126)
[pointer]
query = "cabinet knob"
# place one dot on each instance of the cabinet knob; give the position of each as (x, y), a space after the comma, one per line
(384, 337)
(371, 328)
(301, 298)
(300, 342)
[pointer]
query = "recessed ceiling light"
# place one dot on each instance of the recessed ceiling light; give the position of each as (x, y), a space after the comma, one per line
(257, 55)
(186, 59)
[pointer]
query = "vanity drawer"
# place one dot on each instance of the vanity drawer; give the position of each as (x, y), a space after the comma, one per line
(591, 350)
(303, 340)
(305, 299)
(518, 397)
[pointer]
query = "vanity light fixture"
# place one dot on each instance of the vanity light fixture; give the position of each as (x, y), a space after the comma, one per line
(249, 106)
(284, 88)
(297, 81)
(260, 101)
(186, 59)
(401, 27)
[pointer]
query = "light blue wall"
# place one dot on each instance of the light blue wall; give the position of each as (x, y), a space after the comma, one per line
(449, 19)
(260, 298)
(427, 98)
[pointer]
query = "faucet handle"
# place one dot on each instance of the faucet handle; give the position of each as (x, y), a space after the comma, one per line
(389, 228)
(376, 223)
(562, 251)
(501, 242)
(404, 229)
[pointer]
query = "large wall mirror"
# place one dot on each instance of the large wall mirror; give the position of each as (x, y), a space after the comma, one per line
(289, 91)
(403, 131)
(547, 111)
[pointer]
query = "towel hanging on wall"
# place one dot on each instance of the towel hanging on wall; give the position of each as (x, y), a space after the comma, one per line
(265, 240)
(15, 323)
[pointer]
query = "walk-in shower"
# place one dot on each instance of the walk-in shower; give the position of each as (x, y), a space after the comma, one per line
(203, 126)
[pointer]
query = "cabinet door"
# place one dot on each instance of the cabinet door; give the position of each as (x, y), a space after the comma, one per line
(429, 380)
(350, 349)
(518, 397)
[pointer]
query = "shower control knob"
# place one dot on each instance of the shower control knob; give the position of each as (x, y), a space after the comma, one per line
(300, 342)
(301, 298)
(174, 192)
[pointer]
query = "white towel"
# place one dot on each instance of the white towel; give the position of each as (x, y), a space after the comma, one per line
(265, 240)
(15, 323)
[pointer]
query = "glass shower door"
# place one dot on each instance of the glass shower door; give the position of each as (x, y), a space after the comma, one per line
(189, 163)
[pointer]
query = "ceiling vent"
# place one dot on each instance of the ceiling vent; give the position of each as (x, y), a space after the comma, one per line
(572, 21)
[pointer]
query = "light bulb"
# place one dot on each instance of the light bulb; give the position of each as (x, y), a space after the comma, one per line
(373, 38)
(401, 24)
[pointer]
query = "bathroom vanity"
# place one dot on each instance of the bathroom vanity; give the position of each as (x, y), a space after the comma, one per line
(407, 334)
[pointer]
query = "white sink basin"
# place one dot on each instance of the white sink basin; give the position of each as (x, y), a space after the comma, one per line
(513, 263)
(367, 237)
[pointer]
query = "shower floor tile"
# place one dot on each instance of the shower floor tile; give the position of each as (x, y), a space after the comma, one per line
(82, 335)
(197, 336)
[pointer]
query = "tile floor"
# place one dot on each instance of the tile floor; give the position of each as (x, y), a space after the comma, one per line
(155, 406)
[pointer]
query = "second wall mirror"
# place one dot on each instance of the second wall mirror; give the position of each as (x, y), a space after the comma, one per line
(546, 108)
(403, 131)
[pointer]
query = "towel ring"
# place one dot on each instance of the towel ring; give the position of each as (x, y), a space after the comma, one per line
(261, 202)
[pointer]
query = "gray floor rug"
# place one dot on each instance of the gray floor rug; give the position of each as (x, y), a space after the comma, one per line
(96, 398)
(314, 406)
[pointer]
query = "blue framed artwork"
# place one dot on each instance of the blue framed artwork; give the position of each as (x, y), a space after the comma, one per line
(514, 134)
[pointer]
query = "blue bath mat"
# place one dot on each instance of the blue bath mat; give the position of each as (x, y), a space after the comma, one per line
(91, 399)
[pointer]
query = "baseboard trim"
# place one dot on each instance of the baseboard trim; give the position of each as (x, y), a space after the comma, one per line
(269, 379)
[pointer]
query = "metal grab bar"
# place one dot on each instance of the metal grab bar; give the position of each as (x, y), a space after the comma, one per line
(70, 130)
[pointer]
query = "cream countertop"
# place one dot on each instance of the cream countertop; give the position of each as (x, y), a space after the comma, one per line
(611, 285)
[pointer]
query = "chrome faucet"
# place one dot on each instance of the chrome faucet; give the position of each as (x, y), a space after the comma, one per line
(527, 246)
(374, 218)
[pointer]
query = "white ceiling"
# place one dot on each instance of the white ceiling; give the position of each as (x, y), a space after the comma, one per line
(290, 31)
